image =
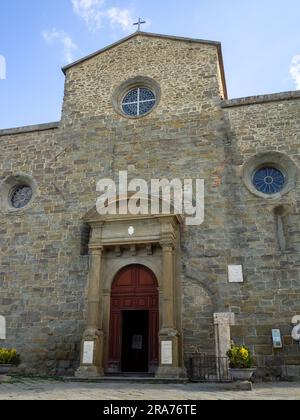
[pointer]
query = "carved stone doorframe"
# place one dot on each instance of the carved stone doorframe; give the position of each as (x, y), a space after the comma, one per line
(112, 232)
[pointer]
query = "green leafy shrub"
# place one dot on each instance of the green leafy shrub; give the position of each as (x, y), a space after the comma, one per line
(9, 357)
(240, 358)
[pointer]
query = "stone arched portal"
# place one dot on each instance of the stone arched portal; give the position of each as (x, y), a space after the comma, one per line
(155, 244)
(134, 321)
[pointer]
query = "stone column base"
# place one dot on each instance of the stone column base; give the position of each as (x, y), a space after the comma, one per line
(173, 368)
(89, 372)
(95, 369)
(169, 372)
(5, 379)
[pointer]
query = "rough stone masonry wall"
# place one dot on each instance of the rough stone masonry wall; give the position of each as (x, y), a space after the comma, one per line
(270, 296)
(43, 277)
(183, 137)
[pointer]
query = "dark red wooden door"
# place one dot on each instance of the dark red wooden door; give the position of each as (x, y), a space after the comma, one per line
(135, 288)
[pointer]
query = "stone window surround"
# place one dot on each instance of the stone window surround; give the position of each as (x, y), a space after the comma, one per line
(277, 160)
(128, 85)
(138, 102)
(7, 187)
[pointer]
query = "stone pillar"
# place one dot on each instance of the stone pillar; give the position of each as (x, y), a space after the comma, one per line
(2, 328)
(91, 364)
(170, 365)
(223, 322)
(168, 287)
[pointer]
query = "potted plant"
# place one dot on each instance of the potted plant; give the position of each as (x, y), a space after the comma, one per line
(8, 359)
(241, 363)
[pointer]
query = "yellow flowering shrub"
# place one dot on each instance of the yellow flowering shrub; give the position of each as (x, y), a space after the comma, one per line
(9, 357)
(240, 357)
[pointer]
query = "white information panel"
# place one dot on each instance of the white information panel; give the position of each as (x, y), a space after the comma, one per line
(277, 340)
(166, 353)
(137, 342)
(2, 328)
(88, 353)
(235, 274)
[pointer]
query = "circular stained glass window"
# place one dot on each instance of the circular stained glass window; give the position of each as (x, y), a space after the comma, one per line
(21, 196)
(138, 102)
(269, 180)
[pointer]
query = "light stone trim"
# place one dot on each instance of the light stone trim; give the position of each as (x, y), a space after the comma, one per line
(106, 263)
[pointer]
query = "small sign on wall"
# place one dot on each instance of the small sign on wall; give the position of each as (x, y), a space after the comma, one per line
(235, 274)
(166, 352)
(2, 328)
(88, 353)
(277, 340)
(137, 342)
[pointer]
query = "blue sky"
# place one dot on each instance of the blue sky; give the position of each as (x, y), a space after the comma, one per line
(260, 38)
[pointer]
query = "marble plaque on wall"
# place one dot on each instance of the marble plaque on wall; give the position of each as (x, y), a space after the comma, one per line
(235, 274)
(137, 342)
(166, 353)
(88, 353)
(2, 328)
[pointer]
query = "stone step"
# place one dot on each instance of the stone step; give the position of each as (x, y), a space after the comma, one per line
(128, 379)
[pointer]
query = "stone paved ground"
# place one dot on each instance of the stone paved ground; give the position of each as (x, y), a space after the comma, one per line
(37, 389)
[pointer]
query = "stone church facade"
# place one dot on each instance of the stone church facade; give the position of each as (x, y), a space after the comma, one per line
(74, 285)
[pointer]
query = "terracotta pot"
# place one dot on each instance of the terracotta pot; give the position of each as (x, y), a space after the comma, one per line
(242, 374)
(5, 369)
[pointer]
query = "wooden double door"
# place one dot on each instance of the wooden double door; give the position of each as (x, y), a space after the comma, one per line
(134, 322)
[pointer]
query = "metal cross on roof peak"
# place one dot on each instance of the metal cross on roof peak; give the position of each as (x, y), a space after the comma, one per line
(139, 23)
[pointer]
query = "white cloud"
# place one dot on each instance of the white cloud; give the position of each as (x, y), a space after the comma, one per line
(61, 36)
(2, 68)
(120, 17)
(94, 12)
(91, 11)
(295, 70)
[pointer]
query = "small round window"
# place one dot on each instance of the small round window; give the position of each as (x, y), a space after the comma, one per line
(269, 180)
(138, 102)
(20, 196)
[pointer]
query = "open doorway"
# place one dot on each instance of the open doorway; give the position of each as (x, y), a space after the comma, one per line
(135, 341)
(134, 322)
